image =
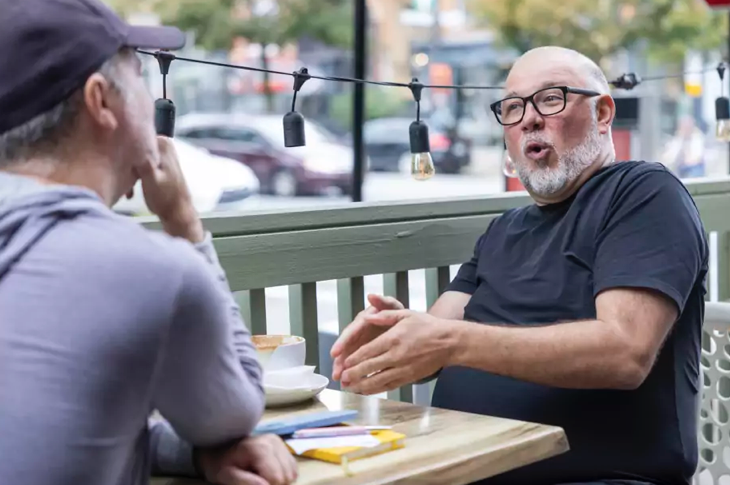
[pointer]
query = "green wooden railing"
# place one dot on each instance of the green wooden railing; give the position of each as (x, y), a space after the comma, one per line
(300, 248)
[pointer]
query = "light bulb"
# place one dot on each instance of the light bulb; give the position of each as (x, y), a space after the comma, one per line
(422, 167)
(722, 114)
(508, 166)
(722, 131)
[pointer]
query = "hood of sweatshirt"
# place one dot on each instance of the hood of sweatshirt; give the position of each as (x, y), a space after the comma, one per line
(29, 209)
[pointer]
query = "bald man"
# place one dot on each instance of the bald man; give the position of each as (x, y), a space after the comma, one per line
(583, 310)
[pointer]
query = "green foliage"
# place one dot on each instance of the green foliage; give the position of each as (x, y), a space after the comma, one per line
(217, 22)
(601, 28)
(379, 102)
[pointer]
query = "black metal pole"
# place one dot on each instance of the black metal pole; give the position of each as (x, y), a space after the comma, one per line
(358, 98)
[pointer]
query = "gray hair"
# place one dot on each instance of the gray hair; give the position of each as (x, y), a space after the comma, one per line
(43, 133)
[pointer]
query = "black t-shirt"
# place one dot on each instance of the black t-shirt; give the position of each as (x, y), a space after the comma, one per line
(633, 224)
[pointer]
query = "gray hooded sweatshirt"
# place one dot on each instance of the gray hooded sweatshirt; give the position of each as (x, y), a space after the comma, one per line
(101, 323)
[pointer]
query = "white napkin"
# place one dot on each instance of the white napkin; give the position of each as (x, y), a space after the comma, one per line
(302, 445)
(289, 379)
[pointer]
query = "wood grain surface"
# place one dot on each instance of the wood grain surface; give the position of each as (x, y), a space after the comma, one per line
(442, 447)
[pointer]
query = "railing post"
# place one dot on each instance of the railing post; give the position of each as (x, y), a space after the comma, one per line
(303, 318)
(396, 285)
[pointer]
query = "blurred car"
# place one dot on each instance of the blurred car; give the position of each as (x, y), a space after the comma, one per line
(215, 183)
(322, 167)
(388, 147)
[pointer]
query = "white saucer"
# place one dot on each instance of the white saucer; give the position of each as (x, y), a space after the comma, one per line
(280, 396)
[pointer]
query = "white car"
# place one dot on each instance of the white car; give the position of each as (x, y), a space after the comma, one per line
(215, 183)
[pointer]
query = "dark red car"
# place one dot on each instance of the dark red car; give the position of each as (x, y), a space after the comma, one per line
(322, 167)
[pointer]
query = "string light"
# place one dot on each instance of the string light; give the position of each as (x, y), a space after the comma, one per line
(293, 120)
(422, 167)
(164, 107)
(722, 109)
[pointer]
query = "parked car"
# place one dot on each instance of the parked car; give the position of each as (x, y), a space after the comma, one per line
(215, 183)
(388, 147)
(322, 167)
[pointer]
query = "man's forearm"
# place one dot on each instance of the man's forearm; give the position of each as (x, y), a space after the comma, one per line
(244, 348)
(582, 355)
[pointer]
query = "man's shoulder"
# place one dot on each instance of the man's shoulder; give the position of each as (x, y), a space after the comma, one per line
(637, 174)
(118, 240)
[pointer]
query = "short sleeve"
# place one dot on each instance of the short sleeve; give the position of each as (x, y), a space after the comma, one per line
(466, 278)
(652, 237)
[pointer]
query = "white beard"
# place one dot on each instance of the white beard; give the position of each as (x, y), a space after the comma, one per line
(546, 181)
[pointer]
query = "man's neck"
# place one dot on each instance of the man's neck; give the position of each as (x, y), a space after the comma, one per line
(52, 170)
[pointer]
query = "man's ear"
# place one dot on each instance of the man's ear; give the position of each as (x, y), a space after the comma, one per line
(100, 100)
(605, 113)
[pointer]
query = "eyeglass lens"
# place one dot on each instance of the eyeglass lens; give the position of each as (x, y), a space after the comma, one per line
(548, 102)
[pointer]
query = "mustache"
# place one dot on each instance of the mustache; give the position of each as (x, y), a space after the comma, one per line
(535, 138)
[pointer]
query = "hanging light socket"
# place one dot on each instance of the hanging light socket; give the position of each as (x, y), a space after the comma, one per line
(164, 107)
(293, 120)
(422, 167)
(165, 117)
(294, 130)
(419, 138)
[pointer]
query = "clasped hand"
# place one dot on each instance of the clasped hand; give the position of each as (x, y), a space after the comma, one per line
(387, 346)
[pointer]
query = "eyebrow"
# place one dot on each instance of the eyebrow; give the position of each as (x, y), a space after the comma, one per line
(544, 85)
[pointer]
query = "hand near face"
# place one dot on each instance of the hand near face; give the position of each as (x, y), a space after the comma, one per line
(259, 460)
(166, 194)
(359, 332)
(416, 346)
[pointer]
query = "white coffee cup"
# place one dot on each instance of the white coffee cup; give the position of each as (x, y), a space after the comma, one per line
(277, 352)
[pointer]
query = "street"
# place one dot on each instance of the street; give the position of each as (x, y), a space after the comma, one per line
(395, 186)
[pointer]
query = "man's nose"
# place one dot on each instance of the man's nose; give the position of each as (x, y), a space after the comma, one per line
(532, 120)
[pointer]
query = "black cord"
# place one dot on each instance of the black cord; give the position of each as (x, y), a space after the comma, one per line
(397, 84)
(164, 86)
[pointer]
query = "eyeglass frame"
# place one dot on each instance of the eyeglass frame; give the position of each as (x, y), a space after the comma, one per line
(531, 99)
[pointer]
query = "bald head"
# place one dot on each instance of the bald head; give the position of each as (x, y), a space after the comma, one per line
(564, 135)
(568, 59)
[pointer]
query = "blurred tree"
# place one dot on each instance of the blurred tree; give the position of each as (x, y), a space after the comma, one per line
(379, 102)
(217, 22)
(601, 28)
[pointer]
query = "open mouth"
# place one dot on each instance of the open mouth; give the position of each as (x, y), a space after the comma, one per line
(535, 150)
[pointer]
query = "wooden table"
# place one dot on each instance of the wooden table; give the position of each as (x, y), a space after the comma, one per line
(442, 447)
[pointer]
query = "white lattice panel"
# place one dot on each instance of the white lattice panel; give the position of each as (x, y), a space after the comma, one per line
(714, 419)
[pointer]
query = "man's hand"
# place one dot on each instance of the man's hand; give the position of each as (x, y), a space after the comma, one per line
(416, 346)
(166, 194)
(259, 460)
(359, 332)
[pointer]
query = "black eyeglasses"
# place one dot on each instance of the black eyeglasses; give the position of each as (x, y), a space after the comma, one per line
(548, 101)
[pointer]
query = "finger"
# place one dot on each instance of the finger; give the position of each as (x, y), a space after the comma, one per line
(351, 332)
(387, 317)
(370, 350)
(384, 381)
(384, 302)
(165, 145)
(235, 476)
(287, 461)
(269, 466)
(356, 374)
(338, 366)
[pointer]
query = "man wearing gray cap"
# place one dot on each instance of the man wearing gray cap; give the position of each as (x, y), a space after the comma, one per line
(102, 321)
